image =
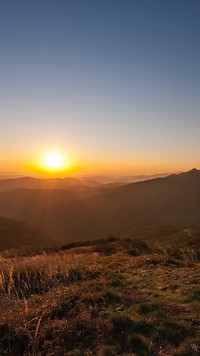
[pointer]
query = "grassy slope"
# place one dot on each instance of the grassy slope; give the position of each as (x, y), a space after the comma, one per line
(107, 298)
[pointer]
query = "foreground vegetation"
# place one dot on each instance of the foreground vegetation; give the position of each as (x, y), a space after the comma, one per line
(109, 297)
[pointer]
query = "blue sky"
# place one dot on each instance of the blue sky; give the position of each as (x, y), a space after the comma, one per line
(113, 83)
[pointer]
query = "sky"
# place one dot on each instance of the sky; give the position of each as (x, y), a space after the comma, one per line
(113, 84)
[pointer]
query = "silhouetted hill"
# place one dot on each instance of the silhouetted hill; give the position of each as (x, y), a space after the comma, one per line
(35, 183)
(103, 182)
(174, 200)
(17, 234)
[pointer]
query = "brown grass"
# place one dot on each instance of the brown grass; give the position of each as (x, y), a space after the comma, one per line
(78, 302)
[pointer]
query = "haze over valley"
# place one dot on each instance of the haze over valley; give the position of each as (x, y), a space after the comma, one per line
(81, 212)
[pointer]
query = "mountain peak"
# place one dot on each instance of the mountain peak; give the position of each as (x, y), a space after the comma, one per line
(192, 173)
(194, 170)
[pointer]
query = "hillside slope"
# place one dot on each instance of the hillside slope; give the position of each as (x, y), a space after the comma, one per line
(16, 234)
(172, 200)
(95, 301)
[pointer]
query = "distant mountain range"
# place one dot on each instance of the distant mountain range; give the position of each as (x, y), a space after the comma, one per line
(35, 183)
(87, 212)
(10, 183)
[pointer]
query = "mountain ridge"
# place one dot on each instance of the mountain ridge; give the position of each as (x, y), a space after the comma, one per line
(174, 200)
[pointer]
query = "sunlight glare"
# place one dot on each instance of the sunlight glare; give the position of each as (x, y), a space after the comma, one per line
(54, 161)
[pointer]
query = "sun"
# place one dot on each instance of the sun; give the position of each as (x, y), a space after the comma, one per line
(54, 161)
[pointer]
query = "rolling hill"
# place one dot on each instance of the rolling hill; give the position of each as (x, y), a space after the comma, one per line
(16, 234)
(36, 183)
(171, 200)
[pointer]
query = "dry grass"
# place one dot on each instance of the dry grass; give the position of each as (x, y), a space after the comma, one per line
(80, 302)
(24, 276)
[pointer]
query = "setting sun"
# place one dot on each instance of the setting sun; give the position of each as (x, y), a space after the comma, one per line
(54, 161)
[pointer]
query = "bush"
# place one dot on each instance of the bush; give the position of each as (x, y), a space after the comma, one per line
(105, 248)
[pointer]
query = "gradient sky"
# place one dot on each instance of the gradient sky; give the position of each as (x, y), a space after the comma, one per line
(114, 84)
